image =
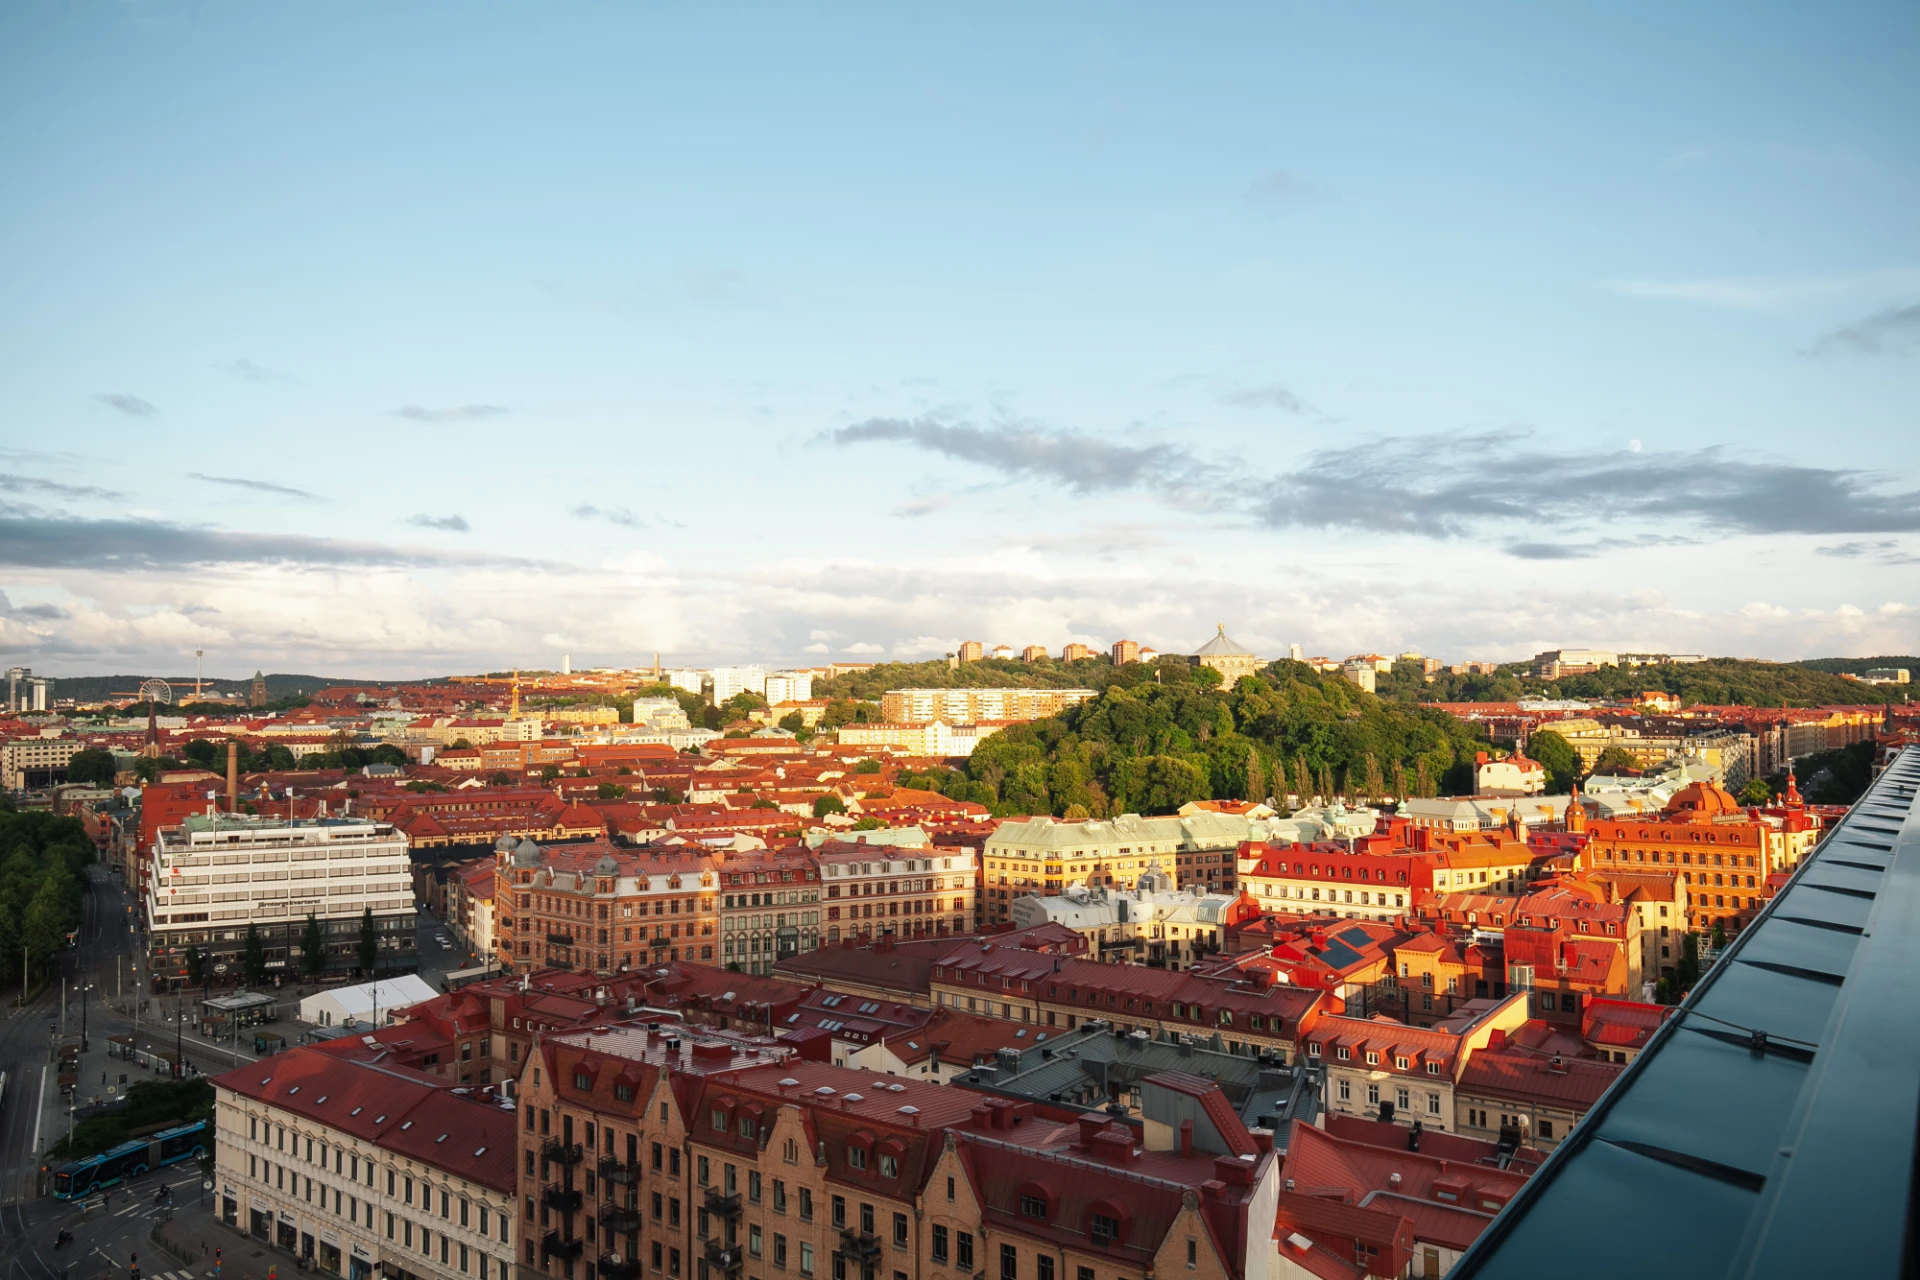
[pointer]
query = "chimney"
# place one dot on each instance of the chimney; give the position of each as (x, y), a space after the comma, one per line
(233, 776)
(1186, 1139)
(1496, 1039)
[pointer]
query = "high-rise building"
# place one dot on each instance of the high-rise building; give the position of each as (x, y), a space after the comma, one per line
(16, 684)
(1074, 651)
(1125, 651)
(971, 651)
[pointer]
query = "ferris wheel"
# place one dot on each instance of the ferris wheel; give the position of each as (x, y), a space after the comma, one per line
(156, 691)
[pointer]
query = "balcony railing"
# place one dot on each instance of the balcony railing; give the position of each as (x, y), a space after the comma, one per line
(722, 1204)
(560, 1152)
(619, 1172)
(615, 1267)
(552, 1246)
(722, 1257)
(618, 1218)
(560, 939)
(564, 1199)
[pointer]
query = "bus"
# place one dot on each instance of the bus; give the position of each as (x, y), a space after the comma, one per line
(130, 1160)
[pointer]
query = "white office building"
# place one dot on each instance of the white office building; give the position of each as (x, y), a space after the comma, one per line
(214, 875)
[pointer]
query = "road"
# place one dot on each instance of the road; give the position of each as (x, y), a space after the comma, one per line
(110, 1235)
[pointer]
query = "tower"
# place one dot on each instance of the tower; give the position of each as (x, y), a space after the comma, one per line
(513, 708)
(197, 653)
(259, 696)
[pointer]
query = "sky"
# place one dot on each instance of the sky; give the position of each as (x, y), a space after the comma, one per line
(398, 340)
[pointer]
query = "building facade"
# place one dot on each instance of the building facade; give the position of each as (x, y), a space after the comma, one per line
(769, 908)
(972, 706)
(214, 877)
(871, 890)
(1044, 855)
(601, 910)
(362, 1167)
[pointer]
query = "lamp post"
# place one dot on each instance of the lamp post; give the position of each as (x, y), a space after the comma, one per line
(84, 991)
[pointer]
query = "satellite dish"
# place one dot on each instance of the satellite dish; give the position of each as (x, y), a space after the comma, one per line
(156, 691)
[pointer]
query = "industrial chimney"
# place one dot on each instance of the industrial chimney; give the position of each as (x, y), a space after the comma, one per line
(233, 776)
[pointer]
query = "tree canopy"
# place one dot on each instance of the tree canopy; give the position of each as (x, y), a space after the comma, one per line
(43, 861)
(1159, 737)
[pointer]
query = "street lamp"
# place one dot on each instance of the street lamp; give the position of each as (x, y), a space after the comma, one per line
(84, 1046)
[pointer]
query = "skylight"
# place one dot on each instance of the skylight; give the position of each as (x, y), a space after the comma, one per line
(405, 1125)
(909, 1110)
(293, 1091)
(440, 1139)
(825, 1091)
(480, 1151)
(788, 1083)
(854, 1097)
(356, 1111)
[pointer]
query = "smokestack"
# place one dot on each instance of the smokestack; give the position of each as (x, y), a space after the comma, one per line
(1186, 1139)
(233, 776)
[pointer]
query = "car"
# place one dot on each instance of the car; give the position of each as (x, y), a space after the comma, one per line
(445, 945)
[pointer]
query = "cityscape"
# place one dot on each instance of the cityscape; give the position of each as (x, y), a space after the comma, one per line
(1075, 644)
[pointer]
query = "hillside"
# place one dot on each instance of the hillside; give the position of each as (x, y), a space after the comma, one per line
(94, 688)
(1149, 746)
(1860, 666)
(1717, 681)
(988, 673)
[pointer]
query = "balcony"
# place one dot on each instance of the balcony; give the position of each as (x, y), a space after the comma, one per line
(560, 939)
(721, 1204)
(860, 1246)
(557, 1152)
(618, 1218)
(615, 1267)
(723, 1258)
(552, 1246)
(563, 1199)
(621, 1173)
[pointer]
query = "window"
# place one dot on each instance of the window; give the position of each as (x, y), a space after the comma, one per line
(1009, 1262)
(1083, 1273)
(1433, 1104)
(753, 1185)
(940, 1244)
(899, 1230)
(1043, 1266)
(1104, 1228)
(1193, 1254)
(806, 1258)
(1034, 1207)
(753, 1240)
(779, 1250)
(866, 1218)
(806, 1204)
(839, 1211)
(1546, 1128)
(963, 1250)
(779, 1195)
(889, 1167)
(857, 1157)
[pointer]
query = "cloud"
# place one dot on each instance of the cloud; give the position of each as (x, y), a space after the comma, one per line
(1884, 551)
(1448, 486)
(924, 506)
(133, 406)
(248, 371)
(124, 544)
(1281, 188)
(816, 647)
(1084, 463)
(1549, 551)
(1894, 331)
(36, 612)
(53, 488)
(1766, 291)
(1270, 397)
(612, 515)
(258, 486)
(864, 647)
(446, 524)
(458, 413)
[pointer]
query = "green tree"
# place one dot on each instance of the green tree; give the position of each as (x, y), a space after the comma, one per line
(549, 772)
(1616, 759)
(1756, 792)
(869, 824)
(387, 753)
(609, 791)
(147, 768)
(1557, 756)
(867, 766)
(253, 956)
(92, 767)
(196, 966)
(1076, 813)
(368, 951)
(828, 804)
(1302, 780)
(1719, 936)
(313, 948)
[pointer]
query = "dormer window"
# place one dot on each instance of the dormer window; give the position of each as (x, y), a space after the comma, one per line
(1343, 1053)
(1373, 1058)
(1033, 1207)
(1400, 1064)
(857, 1157)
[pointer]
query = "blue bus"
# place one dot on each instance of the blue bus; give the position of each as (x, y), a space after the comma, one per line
(130, 1160)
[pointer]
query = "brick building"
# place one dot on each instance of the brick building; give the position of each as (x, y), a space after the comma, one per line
(602, 910)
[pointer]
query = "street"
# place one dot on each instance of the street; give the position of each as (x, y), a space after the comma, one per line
(111, 1231)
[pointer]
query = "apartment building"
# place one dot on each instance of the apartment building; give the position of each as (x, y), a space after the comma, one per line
(597, 909)
(1326, 878)
(357, 1166)
(214, 876)
(874, 889)
(27, 763)
(1044, 855)
(972, 706)
(769, 908)
(1386, 1070)
(710, 1164)
(1721, 853)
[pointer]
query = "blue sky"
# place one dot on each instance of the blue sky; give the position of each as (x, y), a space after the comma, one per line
(403, 339)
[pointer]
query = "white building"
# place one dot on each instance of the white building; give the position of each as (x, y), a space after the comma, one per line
(34, 762)
(788, 686)
(1361, 673)
(935, 739)
(1514, 776)
(728, 681)
(365, 1004)
(212, 877)
(360, 1166)
(1154, 922)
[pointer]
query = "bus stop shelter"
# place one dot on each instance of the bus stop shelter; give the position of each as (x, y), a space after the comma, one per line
(221, 1014)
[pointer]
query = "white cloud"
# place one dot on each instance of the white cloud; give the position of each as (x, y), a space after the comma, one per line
(864, 647)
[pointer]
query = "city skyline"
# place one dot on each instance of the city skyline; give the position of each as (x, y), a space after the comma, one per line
(401, 343)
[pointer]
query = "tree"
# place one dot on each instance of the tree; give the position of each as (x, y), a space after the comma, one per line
(1557, 756)
(1302, 780)
(387, 753)
(1399, 780)
(1256, 774)
(549, 772)
(196, 966)
(609, 791)
(368, 951)
(1687, 972)
(501, 778)
(1719, 936)
(1615, 759)
(147, 768)
(867, 766)
(828, 804)
(869, 824)
(1756, 792)
(91, 767)
(1422, 780)
(313, 948)
(1375, 785)
(253, 957)
(1076, 813)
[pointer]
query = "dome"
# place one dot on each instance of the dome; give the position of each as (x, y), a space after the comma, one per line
(1702, 802)
(1222, 646)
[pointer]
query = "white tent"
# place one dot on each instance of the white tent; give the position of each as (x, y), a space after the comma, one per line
(348, 1006)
